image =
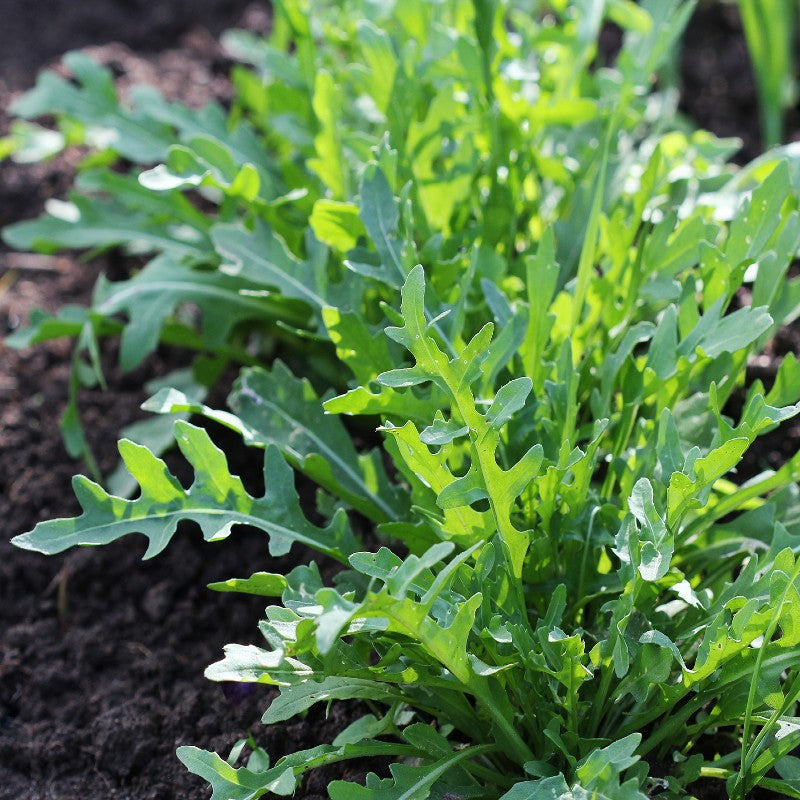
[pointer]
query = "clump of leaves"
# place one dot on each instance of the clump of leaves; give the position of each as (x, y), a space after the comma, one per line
(571, 581)
(244, 274)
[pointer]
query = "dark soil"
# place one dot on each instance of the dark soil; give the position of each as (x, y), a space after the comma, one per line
(102, 655)
(35, 32)
(719, 90)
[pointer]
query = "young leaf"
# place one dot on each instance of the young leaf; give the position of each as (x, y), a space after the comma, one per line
(216, 501)
(508, 401)
(229, 783)
(279, 409)
(261, 257)
(336, 224)
(152, 295)
(295, 699)
(381, 216)
(264, 584)
(656, 542)
(93, 101)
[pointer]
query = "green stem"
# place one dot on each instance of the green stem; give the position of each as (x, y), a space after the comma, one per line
(669, 729)
(578, 611)
(586, 260)
(715, 772)
(489, 774)
(589, 248)
(789, 699)
(624, 431)
(506, 731)
(744, 768)
(770, 784)
(607, 668)
(783, 477)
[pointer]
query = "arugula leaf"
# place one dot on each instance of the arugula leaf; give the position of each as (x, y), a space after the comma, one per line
(93, 101)
(152, 296)
(88, 223)
(216, 501)
(236, 784)
(279, 409)
(295, 699)
(262, 258)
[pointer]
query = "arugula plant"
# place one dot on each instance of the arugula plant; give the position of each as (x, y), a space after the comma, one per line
(563, 580)
(244, 274)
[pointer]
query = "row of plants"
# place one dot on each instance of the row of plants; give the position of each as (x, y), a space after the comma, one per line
(496, 299)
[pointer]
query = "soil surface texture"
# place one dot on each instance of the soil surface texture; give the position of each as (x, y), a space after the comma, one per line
(102, 655)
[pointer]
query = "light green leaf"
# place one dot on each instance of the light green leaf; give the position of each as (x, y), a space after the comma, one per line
(229, 783)
(264, 584)
(329, 162)
(216, 501)
(655, 540)
(462, 523)
(683, 488)
(379, 61)
(356, 345)
(385, 402)
(441, 432)
(508, 401)
(295, 699)
(336, 224)
(405, 616)
(279, 409)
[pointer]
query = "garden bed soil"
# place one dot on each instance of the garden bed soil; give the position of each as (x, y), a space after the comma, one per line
(102, 655)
